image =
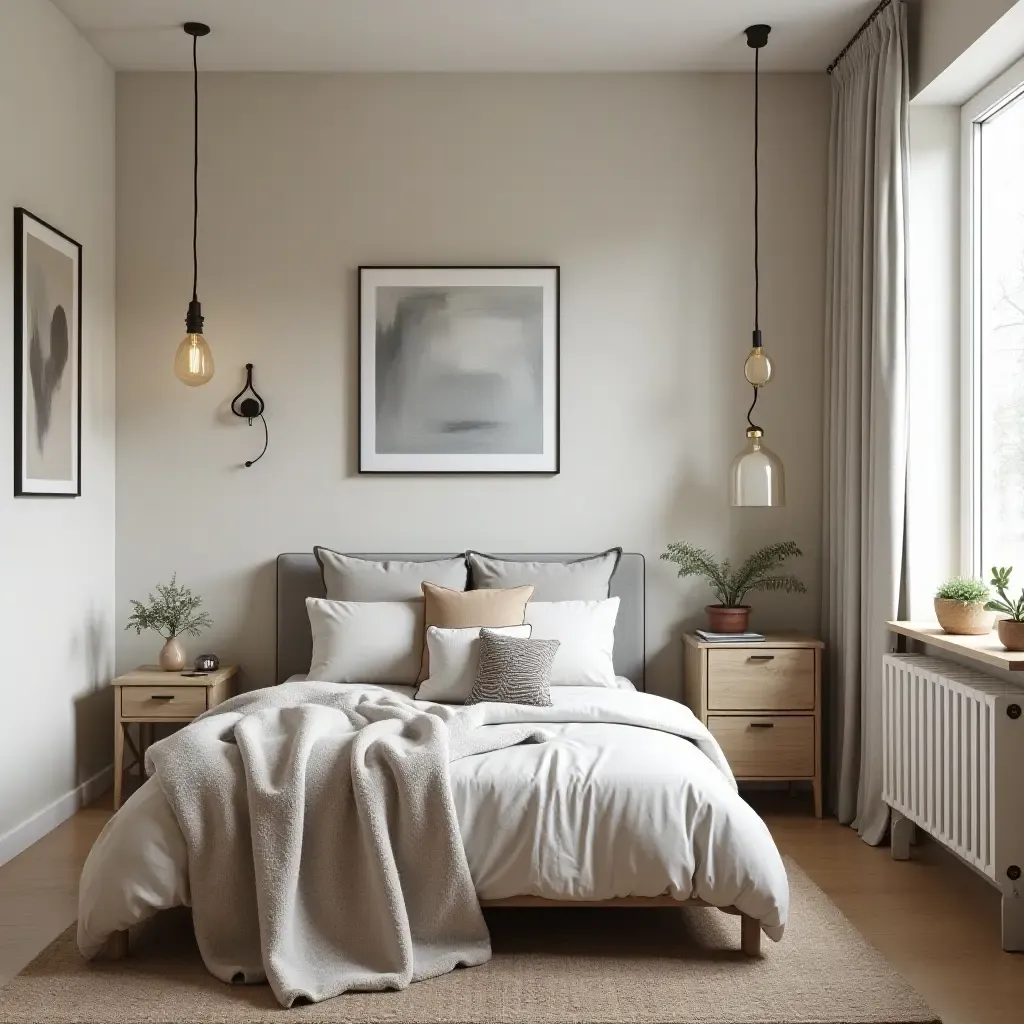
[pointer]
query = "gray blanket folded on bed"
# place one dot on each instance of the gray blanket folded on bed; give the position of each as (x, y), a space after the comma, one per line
(324, 851)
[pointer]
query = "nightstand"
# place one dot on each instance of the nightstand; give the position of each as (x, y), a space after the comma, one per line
(149, 696)
(762, 702)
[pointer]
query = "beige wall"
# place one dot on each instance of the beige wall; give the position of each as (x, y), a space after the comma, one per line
(57, 554)
(639, 187)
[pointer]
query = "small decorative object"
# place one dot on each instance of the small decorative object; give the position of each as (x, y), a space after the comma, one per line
(756, 476)
(1011, 629)
(193, 362)
(961, 606)
(249, 408)
(458, 370)
(47, 359)
(207, 663)
(172, 613)
(758, 572)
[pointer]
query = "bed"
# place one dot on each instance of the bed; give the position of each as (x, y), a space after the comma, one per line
(624, 816)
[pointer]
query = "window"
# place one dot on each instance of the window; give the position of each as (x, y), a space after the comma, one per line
(993, 379)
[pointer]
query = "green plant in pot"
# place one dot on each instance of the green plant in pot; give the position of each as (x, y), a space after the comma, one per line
(1010, 629)
(961, 606)
(731, 584)
(172, 613)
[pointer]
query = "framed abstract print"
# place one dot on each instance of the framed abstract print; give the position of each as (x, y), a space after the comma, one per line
(47, 359)
(458, 370)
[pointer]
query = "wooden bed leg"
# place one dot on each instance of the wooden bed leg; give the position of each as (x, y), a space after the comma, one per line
(901, 835)
(116, 946)
(750, 935)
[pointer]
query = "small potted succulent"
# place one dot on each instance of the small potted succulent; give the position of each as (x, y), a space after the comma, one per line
(731, 585)
(961, 606)
(172, 613)
(1010, 629)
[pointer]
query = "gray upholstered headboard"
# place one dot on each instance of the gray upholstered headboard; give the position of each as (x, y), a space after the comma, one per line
(298, 577)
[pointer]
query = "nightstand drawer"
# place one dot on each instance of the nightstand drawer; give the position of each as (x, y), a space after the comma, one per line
(766, 746)
(769, 679)
(162, 701)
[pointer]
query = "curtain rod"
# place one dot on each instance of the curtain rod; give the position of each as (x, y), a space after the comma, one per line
(856, 35)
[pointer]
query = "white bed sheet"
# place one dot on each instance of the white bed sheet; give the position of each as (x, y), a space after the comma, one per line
(600, 810)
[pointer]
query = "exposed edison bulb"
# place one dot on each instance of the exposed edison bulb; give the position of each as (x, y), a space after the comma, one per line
(758, 367)
(193, 362)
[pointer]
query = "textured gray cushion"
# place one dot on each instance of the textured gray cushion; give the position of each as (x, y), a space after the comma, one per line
(513, 670)
(585, 579)
(350, 578)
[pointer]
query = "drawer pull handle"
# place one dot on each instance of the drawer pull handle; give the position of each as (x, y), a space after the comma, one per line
(162, 696)
(762, 725)
(761, 657)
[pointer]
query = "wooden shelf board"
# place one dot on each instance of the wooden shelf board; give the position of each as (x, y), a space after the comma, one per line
(985, 649)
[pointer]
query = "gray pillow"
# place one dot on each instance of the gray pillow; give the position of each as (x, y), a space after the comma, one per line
(351, 578)
(583, 579)
(513, 670)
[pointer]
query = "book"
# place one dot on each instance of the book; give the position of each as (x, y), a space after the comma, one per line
(706, 636)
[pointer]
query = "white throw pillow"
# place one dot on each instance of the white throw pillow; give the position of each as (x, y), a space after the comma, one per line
(365, 641)
(454, 657)
(585, 631)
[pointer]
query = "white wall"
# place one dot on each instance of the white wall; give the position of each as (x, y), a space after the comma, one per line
(57, 555)
(640, 187)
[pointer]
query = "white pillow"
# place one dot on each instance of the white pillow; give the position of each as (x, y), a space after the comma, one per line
(454, 657)
(365, 641)
(585, 631)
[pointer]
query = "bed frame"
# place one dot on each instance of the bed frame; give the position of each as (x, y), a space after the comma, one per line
(298, 577)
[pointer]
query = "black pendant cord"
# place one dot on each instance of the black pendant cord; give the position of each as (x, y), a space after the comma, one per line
(266, 441)
(195, 169)
(753, 425)
(757, 197)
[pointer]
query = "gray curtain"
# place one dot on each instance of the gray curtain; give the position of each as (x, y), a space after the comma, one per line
(866, 405)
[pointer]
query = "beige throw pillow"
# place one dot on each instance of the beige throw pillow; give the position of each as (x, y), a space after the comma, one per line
(457, 609)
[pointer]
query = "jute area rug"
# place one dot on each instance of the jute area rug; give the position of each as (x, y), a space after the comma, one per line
(590, 966)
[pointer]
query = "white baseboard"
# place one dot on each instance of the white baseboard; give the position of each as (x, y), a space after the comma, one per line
(22, 836)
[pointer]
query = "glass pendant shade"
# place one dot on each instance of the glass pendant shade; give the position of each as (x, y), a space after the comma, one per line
(756, 477)
(193, 362)
(758, 367)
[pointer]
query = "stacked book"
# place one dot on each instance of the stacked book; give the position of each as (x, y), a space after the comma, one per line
(707, 637)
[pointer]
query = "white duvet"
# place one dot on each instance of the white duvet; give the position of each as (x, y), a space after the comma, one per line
(618, 802)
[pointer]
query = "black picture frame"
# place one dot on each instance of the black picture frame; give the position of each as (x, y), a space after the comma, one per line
(548, 463)
(43, 376)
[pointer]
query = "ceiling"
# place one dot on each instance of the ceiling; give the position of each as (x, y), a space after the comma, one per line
(466, 35)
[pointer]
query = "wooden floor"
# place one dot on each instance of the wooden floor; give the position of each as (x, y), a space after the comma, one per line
(933, 918)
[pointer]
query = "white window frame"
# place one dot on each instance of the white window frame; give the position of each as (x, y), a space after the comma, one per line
(979, 108)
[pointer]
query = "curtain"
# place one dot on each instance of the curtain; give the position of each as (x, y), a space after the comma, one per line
(865, 442)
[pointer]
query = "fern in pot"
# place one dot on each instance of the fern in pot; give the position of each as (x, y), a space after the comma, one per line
(731, 584)
(172, 613)
(961, 606)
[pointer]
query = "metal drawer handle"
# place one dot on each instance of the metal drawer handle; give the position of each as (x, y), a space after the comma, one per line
(761, 657)
(762, 725)
(162, 696)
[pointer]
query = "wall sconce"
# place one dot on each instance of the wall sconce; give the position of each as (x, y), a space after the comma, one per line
(248, 408)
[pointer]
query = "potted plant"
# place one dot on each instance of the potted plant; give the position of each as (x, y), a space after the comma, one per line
(961, 606)
(1011, 629)
(758, 572)
(172, 613)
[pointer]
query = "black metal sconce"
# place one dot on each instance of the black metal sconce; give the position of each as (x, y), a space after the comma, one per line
(249, 408)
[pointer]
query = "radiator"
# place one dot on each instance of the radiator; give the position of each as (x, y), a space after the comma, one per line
(953, 765)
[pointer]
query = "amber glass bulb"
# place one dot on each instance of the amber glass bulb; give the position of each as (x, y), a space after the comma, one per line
(193, 362)
(758, 367)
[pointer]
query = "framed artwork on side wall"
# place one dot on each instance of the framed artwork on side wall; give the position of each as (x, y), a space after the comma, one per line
(458, 370)
(47, 360)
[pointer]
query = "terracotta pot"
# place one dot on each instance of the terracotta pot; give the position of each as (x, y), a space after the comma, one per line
(1011, 634)
(728, 620)
(964, 618)
(172, 656)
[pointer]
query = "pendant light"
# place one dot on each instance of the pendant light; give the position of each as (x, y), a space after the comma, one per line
(756, 476)
(193, 362)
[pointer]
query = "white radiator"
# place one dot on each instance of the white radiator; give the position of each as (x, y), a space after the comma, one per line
(953, 764)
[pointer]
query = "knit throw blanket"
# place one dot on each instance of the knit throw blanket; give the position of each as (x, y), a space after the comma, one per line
(324, 851)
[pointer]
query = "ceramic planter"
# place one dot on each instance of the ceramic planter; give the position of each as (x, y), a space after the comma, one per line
(172, 656)
(1011, 634)
(964, 618)
(728, 620)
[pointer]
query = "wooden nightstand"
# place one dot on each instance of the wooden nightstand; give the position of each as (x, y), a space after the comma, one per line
(762, 702)
(148, 696)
